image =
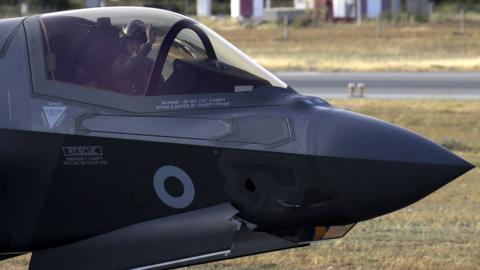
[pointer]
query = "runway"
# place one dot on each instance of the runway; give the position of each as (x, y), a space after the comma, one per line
(438, 85)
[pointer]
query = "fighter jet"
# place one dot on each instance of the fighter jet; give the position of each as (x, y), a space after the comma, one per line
(137, 138)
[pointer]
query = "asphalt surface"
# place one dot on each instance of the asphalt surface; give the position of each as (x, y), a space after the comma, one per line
(386, 85)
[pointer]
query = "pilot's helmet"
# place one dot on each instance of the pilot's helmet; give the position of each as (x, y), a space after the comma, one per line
(134, 30)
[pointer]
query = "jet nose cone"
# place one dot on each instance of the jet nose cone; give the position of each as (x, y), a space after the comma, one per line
(376, 167)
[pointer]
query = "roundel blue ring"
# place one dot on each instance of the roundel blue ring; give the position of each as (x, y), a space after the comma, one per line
(181, 201)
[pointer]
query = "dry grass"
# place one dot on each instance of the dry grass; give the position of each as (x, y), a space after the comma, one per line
(440, 232)
(401, 47)
(18, 263)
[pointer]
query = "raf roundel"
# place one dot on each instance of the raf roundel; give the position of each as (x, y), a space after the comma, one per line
(161, 176)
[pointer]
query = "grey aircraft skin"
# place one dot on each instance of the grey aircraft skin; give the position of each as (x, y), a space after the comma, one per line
(212, 158)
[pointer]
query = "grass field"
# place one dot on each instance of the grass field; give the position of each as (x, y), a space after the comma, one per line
(339, 47)
(440, 232)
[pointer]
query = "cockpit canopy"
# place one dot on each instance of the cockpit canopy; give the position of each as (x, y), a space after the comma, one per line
(88, 48)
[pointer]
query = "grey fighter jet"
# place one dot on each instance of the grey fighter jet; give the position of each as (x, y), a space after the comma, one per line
(137, 138)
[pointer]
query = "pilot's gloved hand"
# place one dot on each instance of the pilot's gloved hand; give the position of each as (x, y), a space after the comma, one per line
(151, 34)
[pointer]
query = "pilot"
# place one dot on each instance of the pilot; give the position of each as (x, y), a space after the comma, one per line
(131, 68)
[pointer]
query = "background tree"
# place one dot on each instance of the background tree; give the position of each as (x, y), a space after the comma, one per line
(51, 4)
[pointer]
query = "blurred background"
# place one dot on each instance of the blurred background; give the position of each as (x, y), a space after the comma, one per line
(325, 35)
(415, 63)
